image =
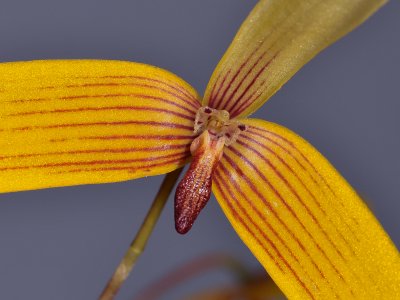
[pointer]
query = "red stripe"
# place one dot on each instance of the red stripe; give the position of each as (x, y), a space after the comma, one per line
(95, 162)
(249, 219)
(250, 99)
(138, 137)
(250, 85)
(264, 200)
(238, 71)
(105, 108)
(216, 105)
(27, 100)
(58, 140)
(303, 184)
(178, 161)
(282, 161)
(191, 103)
(106, 150)
(293, 146)
(218, 180)
(343, 238)
(211, 97)
(127, 137)
(133, 95)
(220, 86)
(290, 143)
(286, 165)
(285, 150)
(310, 176)
(261, 216)
(143, 96)
(177, 88)
(271, 44)
(282, 200)
(147, 123)
(228, 99)
(293, 191)
(344, 221)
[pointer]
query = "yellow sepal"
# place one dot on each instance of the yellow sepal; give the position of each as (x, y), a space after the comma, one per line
(273, 43)
(302, 220)
(84, 121)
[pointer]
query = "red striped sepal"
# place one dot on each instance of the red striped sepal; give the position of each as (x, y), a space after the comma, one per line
(77, 122)
(302, 220)
(273, 43)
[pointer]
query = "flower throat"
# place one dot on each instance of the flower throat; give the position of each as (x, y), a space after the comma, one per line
(215, 131)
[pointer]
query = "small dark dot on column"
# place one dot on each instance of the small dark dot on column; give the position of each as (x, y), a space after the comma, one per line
(242, 127)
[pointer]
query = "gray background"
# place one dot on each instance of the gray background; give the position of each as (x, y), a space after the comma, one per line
(64, 243)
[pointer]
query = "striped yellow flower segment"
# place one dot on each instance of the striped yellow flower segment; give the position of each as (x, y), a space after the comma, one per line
(273, 43)
(302, 220)
(78, 122)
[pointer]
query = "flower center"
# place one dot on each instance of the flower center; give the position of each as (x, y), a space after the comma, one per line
(194, 190)
(218, 124)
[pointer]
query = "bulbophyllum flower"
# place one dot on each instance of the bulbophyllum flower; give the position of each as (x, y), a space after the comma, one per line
(82, 122)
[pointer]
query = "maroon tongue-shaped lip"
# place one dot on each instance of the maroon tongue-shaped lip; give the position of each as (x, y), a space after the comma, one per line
(194, 190)
(192, 194)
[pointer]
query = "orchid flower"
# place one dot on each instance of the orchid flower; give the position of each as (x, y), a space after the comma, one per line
(77, 122)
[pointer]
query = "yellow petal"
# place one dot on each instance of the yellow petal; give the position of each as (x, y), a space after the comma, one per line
(77, 122)
(302, 220)
(273, 43)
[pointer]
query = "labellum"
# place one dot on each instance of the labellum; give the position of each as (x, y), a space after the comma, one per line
(194, 190)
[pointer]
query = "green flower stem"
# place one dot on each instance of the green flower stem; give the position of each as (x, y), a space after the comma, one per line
(139, 243)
